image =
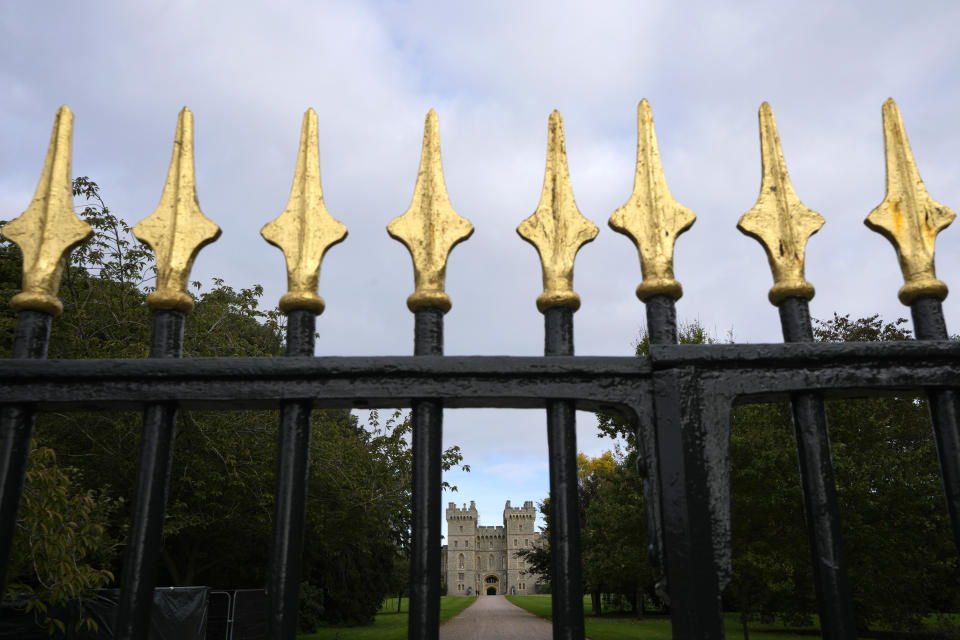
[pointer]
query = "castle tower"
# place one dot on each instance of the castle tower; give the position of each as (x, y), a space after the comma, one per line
(481, 560)
(461, 575)
(519, 525)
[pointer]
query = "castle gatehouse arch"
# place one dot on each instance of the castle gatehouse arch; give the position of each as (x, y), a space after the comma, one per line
(491, 585)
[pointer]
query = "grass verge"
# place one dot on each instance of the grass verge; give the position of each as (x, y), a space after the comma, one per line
(388, 625)
(617, 626)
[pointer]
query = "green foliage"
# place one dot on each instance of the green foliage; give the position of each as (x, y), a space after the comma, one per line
(218, 523)
(902, 563)
(613, 529)
(901, 560)
(310, 611)
(359, 515)
(62, 540)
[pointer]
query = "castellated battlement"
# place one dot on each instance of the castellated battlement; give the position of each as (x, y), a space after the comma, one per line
(465, 513)
(491, 532)
(482, 559)
(526, 512)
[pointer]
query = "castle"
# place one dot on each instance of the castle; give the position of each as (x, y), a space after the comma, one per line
(479, 560)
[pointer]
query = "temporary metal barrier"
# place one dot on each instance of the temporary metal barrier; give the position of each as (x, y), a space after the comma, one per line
(679, 396)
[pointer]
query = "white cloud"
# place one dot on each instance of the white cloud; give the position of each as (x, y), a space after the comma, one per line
(494, 71)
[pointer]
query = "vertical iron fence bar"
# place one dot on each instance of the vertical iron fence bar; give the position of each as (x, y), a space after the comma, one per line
(682, 442)
(661, 320)
(427, 443)
(819, 489)
(293, 458)
(692, 582)
(150, 497)
(929, 324)
(661, 329)
(567, 600)
(31, 337)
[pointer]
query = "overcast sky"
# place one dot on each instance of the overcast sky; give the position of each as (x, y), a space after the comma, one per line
(494, 71)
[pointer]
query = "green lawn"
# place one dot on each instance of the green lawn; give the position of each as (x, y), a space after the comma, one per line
(616, 626)
(389, 625)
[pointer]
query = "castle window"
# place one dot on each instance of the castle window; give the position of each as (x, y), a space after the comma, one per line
(461, 528)
(460, 577)
(491, 565)
(460, 561)
(526, 542)
(456, 543)
(479, 566)
(467, 543)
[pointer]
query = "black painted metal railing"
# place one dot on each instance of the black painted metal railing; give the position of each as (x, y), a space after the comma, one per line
(678, 397)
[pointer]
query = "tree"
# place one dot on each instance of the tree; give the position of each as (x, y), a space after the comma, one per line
(358, 517)
(218, 525)
(613, 529)
(902, 564)
(61, 543)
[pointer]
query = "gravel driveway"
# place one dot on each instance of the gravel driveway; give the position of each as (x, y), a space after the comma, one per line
(492, 618)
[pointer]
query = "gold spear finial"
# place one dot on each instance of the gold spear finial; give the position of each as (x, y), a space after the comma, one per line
(430, 228)
(556, 228)
(779, 221)
(49, 229)
(652, 218)
(177, 229)
(305, 229)
(908, 217)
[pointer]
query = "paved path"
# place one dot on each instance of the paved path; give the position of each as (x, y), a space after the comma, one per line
(492, 618)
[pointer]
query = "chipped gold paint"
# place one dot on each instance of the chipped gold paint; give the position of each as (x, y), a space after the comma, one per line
(908, 217)
(305, 230)
(556, 228)
(651, 217)
(49, 229)
(779, 221)
(430, 228)
(177, 229)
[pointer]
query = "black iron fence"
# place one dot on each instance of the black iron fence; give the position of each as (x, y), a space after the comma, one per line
(679, 397)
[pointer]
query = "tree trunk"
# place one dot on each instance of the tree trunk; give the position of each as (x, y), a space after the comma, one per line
(171, 565)
(639, 603)
(399, 600)
(595, 602)
(746, 628)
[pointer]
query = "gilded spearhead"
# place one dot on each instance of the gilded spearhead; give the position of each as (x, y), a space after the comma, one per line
(177, 229)
(305, 229)
(652, 218)
(779, 221)
(49, 229)
(430, 228)
(908, 217)
(556, 228)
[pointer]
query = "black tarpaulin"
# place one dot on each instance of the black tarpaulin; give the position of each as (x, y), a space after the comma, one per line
(179, 613)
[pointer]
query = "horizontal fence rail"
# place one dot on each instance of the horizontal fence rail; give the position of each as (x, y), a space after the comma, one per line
(740, 373)
(678, 397)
